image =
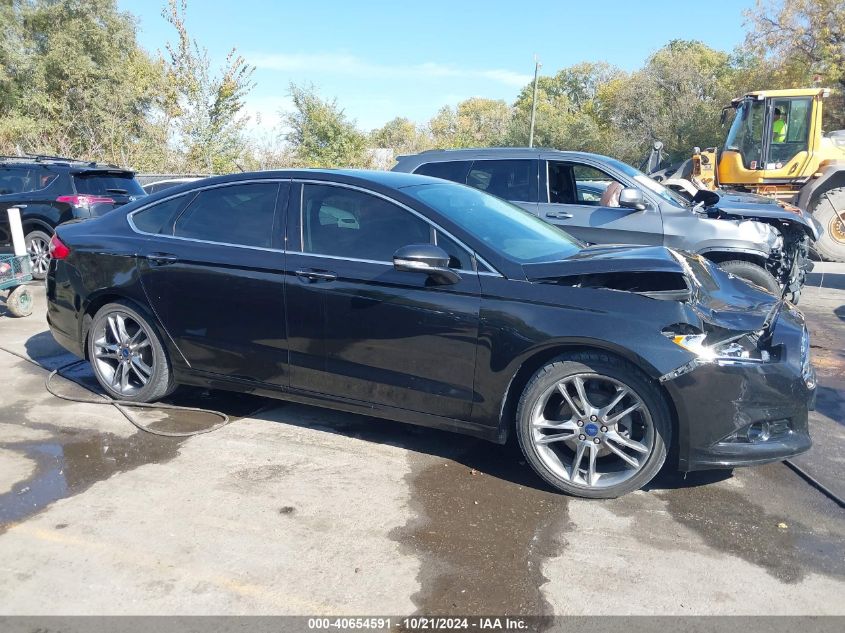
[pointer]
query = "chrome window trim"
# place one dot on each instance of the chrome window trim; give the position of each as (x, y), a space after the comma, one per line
(196, 192)
(397, 203)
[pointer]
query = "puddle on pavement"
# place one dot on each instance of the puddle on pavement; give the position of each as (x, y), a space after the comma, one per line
(483, 528)
(730, 522)
(71, 460)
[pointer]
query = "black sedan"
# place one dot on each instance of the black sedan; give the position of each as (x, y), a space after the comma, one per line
(432, 303)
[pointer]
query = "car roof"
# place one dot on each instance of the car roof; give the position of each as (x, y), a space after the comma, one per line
(64, 163)
(389, 179)
(438, 155)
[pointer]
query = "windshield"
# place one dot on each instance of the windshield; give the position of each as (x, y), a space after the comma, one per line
(649, 183)
(502, 226)
(746, 133)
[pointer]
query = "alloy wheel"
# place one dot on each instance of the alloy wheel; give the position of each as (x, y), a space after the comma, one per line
(39, 254)
(836, 228)
(592, 431)
(123, 354)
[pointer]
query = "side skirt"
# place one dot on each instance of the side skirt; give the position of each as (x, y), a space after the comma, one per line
(215, 381)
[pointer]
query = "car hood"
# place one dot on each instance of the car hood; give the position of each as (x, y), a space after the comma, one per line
(664, 274)
(753, 206)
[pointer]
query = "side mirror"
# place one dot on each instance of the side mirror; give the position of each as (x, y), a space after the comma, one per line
(632, 198)
(425, 258)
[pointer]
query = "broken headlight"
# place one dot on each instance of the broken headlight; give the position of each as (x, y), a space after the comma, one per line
(742, 348)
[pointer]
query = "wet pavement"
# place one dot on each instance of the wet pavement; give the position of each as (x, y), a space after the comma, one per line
(293, 509)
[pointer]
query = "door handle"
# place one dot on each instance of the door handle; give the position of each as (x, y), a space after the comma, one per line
(559, 215)
(316, 275)
(162, 259)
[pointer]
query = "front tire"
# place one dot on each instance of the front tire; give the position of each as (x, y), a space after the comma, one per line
(754, 274)
(127, 355)
(38, 248)
(831, 245)
(593, 425)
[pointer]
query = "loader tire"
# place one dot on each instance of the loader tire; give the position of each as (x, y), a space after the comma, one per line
(829, 211)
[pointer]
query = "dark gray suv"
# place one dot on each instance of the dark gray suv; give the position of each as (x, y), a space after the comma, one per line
(601, 200)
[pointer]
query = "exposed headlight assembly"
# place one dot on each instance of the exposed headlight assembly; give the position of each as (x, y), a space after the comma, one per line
(738, 349)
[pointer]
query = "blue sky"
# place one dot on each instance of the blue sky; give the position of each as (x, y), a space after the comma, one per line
(384, 59)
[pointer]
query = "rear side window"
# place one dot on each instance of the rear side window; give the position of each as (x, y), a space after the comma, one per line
(103, 184)
(455, 170)
(24, 179)
(508, 179)
(237, 214)
(159, 217)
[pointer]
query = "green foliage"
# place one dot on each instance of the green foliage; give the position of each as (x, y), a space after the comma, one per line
(804, 44)
(206, 106)
(401, 136)
(73, 80)
(319, 133)
(473, 123)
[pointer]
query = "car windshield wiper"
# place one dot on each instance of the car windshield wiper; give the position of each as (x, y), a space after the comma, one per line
(117, 191)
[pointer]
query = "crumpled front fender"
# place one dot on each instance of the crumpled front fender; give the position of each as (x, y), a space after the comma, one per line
(741, 236)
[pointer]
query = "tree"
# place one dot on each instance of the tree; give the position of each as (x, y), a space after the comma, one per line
(205, 107)
(401, 136)
(676, 98)
(74, 81)
(570, 108)
(475, 122)
(319, 133)
(803, 40)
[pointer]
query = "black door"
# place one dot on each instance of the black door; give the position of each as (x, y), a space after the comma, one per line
(214, 275)
(361, 330)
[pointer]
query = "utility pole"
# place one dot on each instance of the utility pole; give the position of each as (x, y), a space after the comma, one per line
(537, 65)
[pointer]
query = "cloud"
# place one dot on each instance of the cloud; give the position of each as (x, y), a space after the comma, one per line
(350, 65)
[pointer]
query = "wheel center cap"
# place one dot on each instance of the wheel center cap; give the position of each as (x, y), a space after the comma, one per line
(591, 429)
(124, 352)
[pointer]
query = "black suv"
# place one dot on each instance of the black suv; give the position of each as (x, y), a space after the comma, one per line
(50, 190)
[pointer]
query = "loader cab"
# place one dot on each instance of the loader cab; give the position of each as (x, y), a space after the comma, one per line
(771, 140)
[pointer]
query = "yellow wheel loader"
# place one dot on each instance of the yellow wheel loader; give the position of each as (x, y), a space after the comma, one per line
(775, 147)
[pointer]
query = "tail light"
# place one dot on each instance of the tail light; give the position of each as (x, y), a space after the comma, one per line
(57, 249)
(84, 200)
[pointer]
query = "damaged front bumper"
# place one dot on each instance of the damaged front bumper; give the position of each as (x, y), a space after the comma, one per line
(738, 413)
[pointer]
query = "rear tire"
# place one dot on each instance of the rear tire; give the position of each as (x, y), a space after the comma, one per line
(754, 274)
(831, 245)
(578, 447)
(127, 355)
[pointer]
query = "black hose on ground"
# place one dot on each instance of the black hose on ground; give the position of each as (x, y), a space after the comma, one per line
(815, 483)
(121, 405)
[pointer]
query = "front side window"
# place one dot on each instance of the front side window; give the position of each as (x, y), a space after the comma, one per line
(235, 214)
(502, 226)
(343, 222)
(459, 259)
(508, 179)
(16, 180)
(24, 179)
(571, 183)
